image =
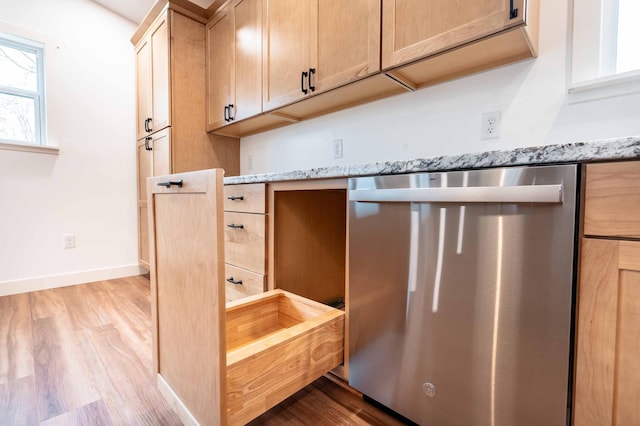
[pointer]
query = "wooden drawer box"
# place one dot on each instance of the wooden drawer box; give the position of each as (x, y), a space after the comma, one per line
(241, 283)
(247, 198)
(612, 199)
(244, 239)
(277, 343)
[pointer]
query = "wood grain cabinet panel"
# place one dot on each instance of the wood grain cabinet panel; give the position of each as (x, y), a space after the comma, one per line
(607, 381)
(313, 46)
(234, 64)
(607, 390)
(245, 239)
(425, 42)
(612, 200)
(170, 92)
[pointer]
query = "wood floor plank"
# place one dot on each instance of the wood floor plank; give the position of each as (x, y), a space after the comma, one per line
(46, 303)
(16, 342)
(124, 381)
(17, 404)
(94, 414)
(324, 403)
(62, 378)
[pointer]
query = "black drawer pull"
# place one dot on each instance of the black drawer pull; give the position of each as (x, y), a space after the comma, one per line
(171, 182)
(303, 77)
(146, 143)
(312, 71)
(232, 116)
(147, 126)
(234, 226)
(232, 281)
(236, 198)
(226, 113)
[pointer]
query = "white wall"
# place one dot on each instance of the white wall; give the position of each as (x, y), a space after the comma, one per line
(89, 189)
(445, 119)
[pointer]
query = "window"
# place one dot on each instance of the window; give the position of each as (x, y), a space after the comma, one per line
(22, 100)
(605, 55)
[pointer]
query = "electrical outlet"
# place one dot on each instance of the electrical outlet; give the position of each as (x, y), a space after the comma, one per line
(337, 149)
(249, 162)
(491, 125)
(69, 240)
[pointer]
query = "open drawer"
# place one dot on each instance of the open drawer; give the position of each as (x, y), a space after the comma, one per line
(220, 364)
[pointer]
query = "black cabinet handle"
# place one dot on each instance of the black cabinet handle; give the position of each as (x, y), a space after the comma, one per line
(226, 113)
(171, 182)
(513, 12)
(303, 77)
(147, 127)
(236, 198)
(234, 226)
(312, 71)
(232, 281)
(231, 114)
(146, 143)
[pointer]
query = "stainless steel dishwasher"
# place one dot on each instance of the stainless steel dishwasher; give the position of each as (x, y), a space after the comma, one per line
(460, 294)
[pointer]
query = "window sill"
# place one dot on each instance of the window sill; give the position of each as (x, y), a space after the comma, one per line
(40, 149)
(605, 87)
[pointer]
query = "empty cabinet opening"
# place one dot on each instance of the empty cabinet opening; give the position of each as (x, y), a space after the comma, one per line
(310, 229)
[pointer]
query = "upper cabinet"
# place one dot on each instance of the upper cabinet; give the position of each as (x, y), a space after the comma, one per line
(311, 46)
(322, 56)
(234, 63)
(414, 29)
(476, 35)
(152, 80)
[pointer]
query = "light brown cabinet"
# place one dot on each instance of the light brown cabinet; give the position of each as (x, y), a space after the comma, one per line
(153, 160)
(170, 119)
(152, 79)
(472, 36)
(607, 384)
(312, 46)
(220, 364)
(234, 63)
(245, 238)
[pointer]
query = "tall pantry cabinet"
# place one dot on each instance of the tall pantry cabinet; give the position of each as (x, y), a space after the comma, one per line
(171, 103)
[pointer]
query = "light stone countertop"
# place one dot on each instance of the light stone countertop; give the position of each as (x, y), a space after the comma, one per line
(578, 152)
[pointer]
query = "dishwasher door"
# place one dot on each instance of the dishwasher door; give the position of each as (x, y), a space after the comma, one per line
(460, 294)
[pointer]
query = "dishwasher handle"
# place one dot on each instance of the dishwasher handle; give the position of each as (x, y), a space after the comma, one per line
(466, 194)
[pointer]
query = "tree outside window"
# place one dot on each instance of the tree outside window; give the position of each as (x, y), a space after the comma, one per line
(21, 91)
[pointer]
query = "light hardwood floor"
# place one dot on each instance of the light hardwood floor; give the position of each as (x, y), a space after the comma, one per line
(81, 355)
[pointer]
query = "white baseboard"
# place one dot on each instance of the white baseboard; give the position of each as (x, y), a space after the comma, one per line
(62, 280)
(176, 403)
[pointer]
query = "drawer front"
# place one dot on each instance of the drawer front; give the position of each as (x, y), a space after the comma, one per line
(612, 199)
(241, 283)
(248, 198)
(245, 240)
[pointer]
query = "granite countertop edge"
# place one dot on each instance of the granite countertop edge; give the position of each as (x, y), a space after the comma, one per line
(577, 152)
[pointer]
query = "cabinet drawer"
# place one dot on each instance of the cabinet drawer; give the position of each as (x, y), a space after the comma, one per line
(249, 198)
(241, 283)
(612, 199)
(244, 240)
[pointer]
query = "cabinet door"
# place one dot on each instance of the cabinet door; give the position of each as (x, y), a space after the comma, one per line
(160, 75)
(145, 170)
(248, 58)
(220, 68)
(286, 50)
(607, 390)
(413, 29)
(346, 44)
(187, 290)
(161, 148)
(143, 87)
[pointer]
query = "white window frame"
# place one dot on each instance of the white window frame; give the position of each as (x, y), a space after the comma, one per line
(593, 39)
(18, 38)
